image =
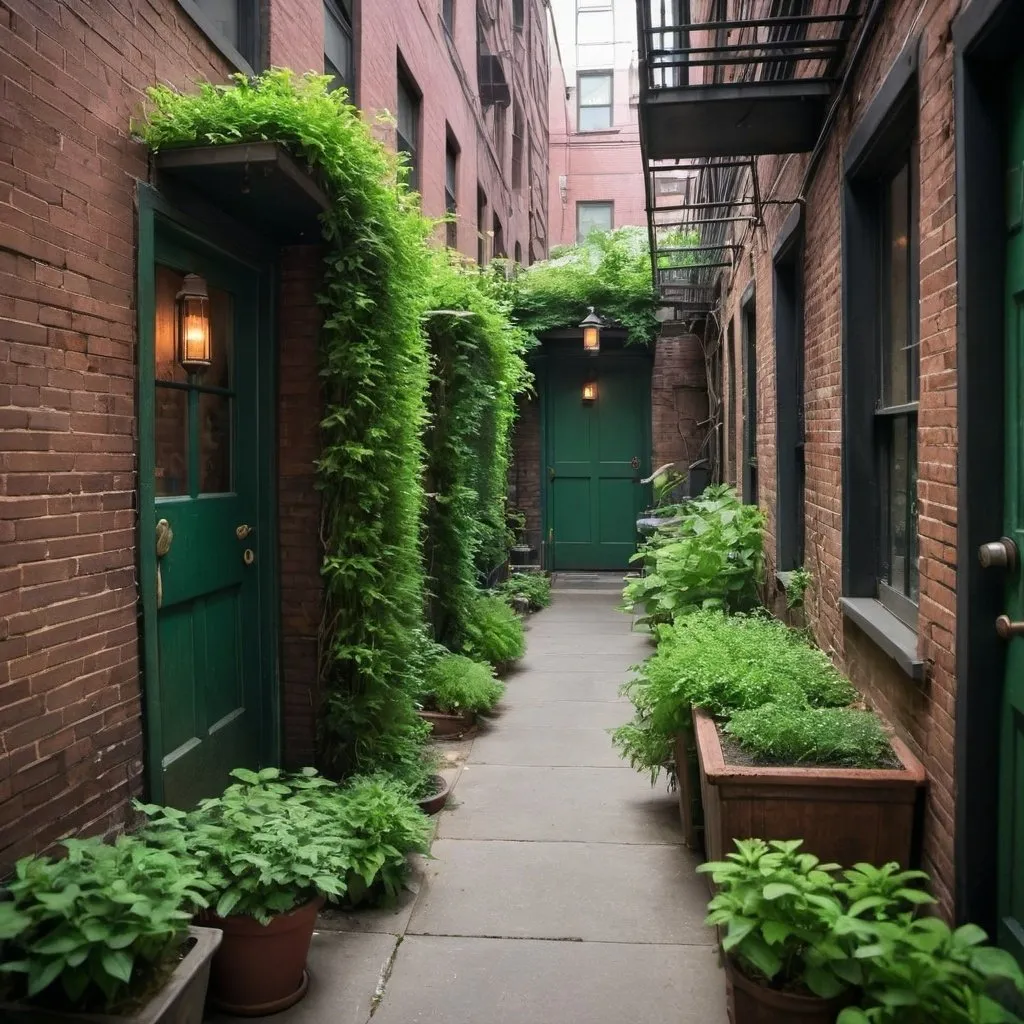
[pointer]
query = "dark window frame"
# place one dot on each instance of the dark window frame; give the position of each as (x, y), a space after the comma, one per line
(880, 145)
(748, 341)
(517, 145)
(481, 229)
(590, 204)
(336, 10)
(790, 410)
(451, 189)
(404, 82)
(245, 53)
(730, 408)
(610, 75)
(518, 15)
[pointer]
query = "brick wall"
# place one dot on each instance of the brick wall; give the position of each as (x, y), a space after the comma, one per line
(526, 466)
(70, 719)
(923, 715)
(679, 398)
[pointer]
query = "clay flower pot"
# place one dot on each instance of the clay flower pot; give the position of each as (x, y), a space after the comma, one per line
(261, 968)
(449, 725)
(751, 1003)
(433, 803)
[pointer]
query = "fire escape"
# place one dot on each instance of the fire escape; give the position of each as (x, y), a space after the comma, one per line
(723, 82)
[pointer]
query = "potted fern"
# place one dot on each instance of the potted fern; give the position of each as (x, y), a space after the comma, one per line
(456, 690)
(493, 633)
(103, 935)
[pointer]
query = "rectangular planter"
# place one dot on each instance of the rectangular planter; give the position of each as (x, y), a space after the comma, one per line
(842, 814)
(180, 1001)
(688, 792)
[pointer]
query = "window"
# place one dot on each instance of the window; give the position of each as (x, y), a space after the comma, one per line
(748, 326)
(592, 217)
(788, 306)
(451, 192)
(232, 25)
(481, 227)
(518, 255)
(595, 27)
(338, 43)
(594, 101)
(595, 33)
(498, 250)
(409, 126)
(448, 14)
(499, 130)
(518, 15)
(881, 361)
(730, 408)
(517, 145)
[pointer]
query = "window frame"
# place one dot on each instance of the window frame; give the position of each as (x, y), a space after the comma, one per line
(404, 82)
(247, 54)
(884, 140)
(451, 189)
(610, 105)
(582, 204)
(517, 145)
(481, 229)
(336, 10)
(730, 408)
(748, 342)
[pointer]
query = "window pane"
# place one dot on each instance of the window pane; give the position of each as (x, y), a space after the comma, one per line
(595, 55)
(218, 374)
(895, 570)
(449, 172)
(214, 443)
(408, 116)
(223, 15)
(171, 437)
(168, 283)
(897, 386)
(594, 118)
(595, 90)
(337, 48)
(592, 217)
(595, 27)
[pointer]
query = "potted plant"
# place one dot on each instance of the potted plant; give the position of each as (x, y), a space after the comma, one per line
(493, 633)
(272, 847)
(532, 589)
(103, 934)
(456, 690)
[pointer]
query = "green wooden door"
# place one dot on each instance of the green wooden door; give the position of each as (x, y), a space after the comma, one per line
(597, 453)
(1011, 823)
(208, 688)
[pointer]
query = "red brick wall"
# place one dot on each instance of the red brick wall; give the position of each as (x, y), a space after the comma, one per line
(679, 399)
(526, 465)
(70, 725)
(299, 411)
(295, 34)
(922, 715)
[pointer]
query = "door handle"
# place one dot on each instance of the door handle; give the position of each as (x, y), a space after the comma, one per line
(999, 554)
(242, 531)
(635, 462)
(1007, 628)
(164, 536)
(551, 472)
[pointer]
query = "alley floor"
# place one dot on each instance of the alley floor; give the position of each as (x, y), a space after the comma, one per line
(559, 889)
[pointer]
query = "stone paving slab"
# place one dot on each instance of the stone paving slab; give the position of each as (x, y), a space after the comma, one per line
(558, 714)
(591, 805)
(585, 685)
(488, 981)
(508, 744)
(600, 892)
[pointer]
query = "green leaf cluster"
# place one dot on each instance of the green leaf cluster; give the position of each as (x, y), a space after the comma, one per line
(724, 664)
(710, 557)
(534, 586)
(273, 841)
(494, 633)
(98, 927)
(456, 683)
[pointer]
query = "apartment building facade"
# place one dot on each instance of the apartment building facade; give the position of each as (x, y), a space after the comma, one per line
(858, 235)
(108, 689)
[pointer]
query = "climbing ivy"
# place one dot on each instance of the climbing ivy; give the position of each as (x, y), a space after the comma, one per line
(374, 373)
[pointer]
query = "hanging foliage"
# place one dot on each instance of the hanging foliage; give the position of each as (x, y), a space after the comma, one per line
(374, 371)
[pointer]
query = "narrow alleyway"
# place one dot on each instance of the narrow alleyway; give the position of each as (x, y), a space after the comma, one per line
(559, 890)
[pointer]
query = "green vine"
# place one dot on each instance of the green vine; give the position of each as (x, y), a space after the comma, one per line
(374, 373)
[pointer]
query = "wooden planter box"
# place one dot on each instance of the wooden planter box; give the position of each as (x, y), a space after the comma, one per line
(842, 814)
(688, 793)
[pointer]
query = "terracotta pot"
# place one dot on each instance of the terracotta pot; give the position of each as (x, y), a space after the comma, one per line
(260, 969)
(442, 724)
(842, 814)
(751, 1003)
(432, 804)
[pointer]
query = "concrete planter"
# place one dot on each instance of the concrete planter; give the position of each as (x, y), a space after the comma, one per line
(449, 725)
(180, 1001)
(842, 814)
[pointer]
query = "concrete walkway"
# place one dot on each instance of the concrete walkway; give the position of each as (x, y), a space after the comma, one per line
(559, 889)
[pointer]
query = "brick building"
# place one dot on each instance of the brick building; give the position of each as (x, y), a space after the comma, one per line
(114, 573)
(863, 270)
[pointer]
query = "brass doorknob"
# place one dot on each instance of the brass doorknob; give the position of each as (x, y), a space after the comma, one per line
(242, 531)
(1007, 628)
(999, 554)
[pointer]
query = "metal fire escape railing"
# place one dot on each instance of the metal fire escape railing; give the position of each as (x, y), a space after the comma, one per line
(721, 82)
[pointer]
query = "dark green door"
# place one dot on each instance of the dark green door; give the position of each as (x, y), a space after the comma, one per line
(597, 453)
(210, 696)
(1011, 818)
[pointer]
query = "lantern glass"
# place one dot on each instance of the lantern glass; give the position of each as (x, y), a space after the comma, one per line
(194, 324)
(591, 338)
(589, 391)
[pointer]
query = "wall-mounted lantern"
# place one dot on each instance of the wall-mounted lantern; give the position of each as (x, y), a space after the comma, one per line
(193, 303)
(591, 332)
(590, 391)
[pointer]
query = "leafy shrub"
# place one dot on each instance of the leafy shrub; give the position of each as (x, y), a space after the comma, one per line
(99, 926)
(796, 734)
(534, 586)
(724, 664)
(494, 633)
(711, 558)
(456, 683)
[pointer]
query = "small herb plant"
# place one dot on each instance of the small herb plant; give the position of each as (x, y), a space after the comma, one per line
(796, 587)
(494, 633)
(796, 734)
(711, 558)
(534, 586)
(456, 683)
(98, 927)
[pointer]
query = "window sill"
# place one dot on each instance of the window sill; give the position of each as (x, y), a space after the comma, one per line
(881, 626)
(598, 131)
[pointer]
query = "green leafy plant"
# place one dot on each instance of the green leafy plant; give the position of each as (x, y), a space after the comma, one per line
(494, 633)
(457, 683)
(796, 587)
(711, 558)
(99, 927)
(797, 734)
(534, 586)
(919, 971)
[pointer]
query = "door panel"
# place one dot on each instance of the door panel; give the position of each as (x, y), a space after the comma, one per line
(593, 482)
(211, 694)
